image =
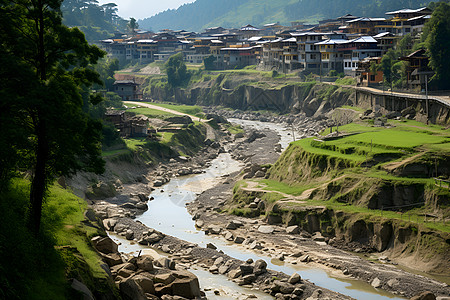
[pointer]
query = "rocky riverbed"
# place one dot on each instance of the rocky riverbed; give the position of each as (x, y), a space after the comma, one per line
(289, 245)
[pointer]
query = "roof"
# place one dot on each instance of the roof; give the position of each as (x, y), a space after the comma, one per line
(255, 38)
(249, 28)
(383, 34)
(307, 33)
(420, 17)
(366, 20)
(348, 16)
(364, 39)
(146, 41)
(420, 53)
(408, 11)
(292, 39)
(332, 42)
(125, 82)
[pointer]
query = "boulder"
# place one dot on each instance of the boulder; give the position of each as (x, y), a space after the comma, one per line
(229, 236)
(185, 285)
(282, 287)
(112, 259)
(179, 119)
(239, 240)
(104, 245)
(145, 263)
(211, 246)
(233, 274)
(165, 279)
(266, 229)
(246, 269)
(145, 283)
(109, 224)
(260, 267)
(293, 229)
(199, 223)
(231, 226)
(130, 290)
(165, 262)
(376, 283)
(129, 234)
(83, 289)
(142, 206)
(295, 278)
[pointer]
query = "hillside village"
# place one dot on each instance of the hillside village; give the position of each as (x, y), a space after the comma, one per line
(345, 46)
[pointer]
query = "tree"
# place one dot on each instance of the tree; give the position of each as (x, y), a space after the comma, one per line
(437, 42)
(132, 26)
(208, 62)
(177, 73)
(54, 68)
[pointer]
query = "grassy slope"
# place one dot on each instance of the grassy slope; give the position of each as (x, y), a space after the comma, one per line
(405, 140)
(33, 268)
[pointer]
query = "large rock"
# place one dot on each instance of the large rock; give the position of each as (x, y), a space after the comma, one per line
(185, 285)
(104, 245)
(145, 262)
(109, 224)
(282, 287)
(130, 290)
(266, 229)
(295, 278)
(145, 283)
(376, 283)
(179, 119)
(293, 229)
(83, 289)
(260, 267)
(246, 269)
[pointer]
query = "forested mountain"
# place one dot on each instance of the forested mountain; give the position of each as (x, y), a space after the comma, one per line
(236, 13)
(96, 21)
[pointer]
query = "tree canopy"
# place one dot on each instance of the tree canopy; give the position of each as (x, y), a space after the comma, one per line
(177, 73)
(46, 72)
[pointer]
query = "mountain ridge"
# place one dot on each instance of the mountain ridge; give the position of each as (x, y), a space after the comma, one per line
(202, 14)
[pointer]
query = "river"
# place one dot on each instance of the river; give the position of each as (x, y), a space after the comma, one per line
(167, 213)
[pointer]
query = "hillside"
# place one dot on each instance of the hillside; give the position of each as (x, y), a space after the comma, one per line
(202, 14)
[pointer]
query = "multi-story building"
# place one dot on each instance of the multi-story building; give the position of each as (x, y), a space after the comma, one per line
(356, 50)
(330, 56)
(411, 21)
(308, 52)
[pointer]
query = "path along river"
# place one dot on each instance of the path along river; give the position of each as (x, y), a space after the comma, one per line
(167, 213)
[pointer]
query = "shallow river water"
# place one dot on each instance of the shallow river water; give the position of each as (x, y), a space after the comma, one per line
(167, 213)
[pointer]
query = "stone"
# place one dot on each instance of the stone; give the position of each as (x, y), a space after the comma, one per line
(142, 206)
(164, 278)
(130, 290)
(165, 262)
(145, 283)
(304, 258)
(249, 261)
(214, 269)
(260, 267)
(256, 246)
(233, 274)
(246, 269)
(266, 229)
(185, 285)
(211, 246)
(83, 289)
(109, 224)
(249, 278)
(231, 226)
(129, 205)
(112, 259)
(224, 268)
(215, 230)
(293, 229)
(318, 237)
(424, 296)
(298, 291)
(153, 238)
(104, 245)
(129, 234)
(253, 205)
(376, 283)
(199, 223)
(145, 263)
(229, 236)
(282, 287)
(295, 278)
(392, 283)
(239, 240)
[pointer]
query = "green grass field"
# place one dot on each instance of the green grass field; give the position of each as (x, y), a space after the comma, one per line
(151, 113)
(193, 110)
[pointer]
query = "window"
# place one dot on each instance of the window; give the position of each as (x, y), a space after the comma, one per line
(372, 77)
(313, 56)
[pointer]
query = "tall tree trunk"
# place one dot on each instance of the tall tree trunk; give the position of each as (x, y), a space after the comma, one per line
(38, 184)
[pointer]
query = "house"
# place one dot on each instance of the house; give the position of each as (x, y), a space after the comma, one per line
(116, 117)
(356, 50)
(248, 31)
(417, 72)
(411, 21)
(367, 26)
(330, 56)
(239, 56)
(127, 90)
(385, 41)
(308, 52)
(365, 75)
(116, 48)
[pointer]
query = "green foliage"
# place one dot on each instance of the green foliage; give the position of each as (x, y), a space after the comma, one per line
(51, 110)
(437, 31)
(208, 62)
(96, 21)
(177, 74)
(233, 13)
(38, 268)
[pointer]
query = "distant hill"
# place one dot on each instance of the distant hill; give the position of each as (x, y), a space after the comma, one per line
(202, 14)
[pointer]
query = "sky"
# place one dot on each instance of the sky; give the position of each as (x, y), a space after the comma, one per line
(141, 9)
